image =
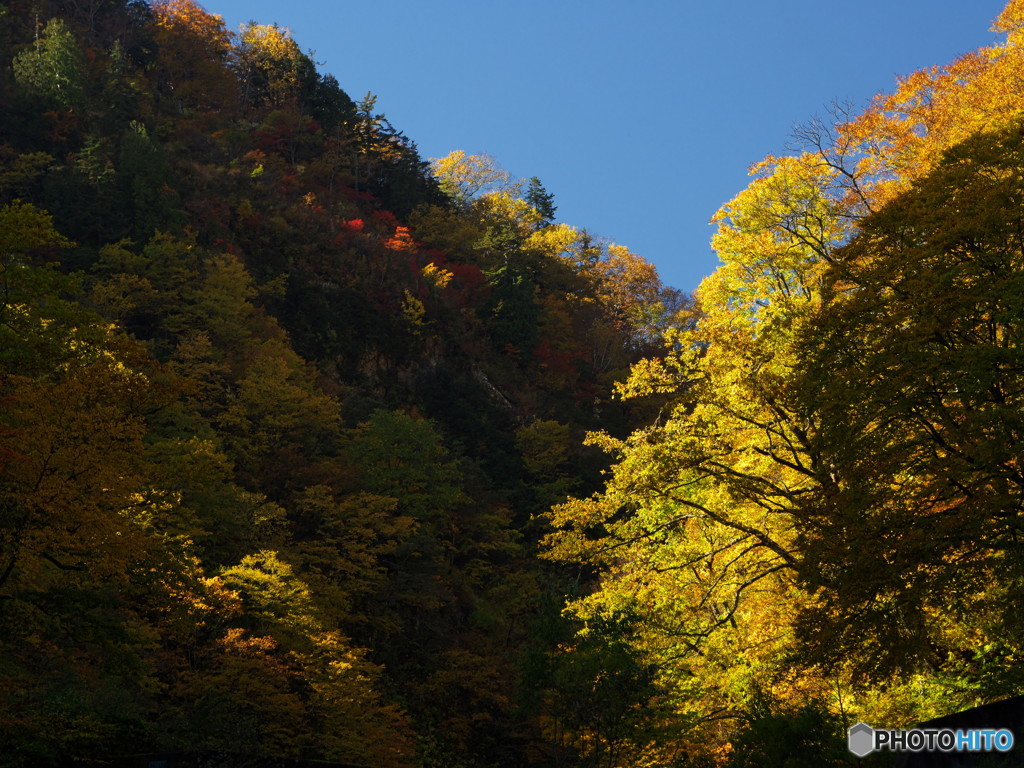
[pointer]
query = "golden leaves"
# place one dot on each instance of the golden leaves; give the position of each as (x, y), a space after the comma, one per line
(553, 240)
(467, 176)
(270, 63)
(189, 15)
(1011, 19)
(439, 277)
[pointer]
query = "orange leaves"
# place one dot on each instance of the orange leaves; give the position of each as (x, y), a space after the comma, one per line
(400, 241)
(187, 16)
(235, 641)
(635, 304)
(901, 136)
(626, 280)
(1011, 20)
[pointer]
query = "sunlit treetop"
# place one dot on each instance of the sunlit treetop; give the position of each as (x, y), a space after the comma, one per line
(189, 15)
(466, 177)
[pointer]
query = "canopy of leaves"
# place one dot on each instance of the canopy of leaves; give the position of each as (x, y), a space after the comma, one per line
(277, 406)
(825, 505)
(284, 409)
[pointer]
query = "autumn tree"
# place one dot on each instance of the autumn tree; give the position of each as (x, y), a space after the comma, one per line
(271, 68)
(731, 525)
(270, 443)
(695, 532)
(78, 517)
(193, 49)
(38, 325)
(464, 177)
(911, 368)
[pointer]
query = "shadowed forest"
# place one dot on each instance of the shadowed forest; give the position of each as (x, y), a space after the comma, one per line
(315, 449)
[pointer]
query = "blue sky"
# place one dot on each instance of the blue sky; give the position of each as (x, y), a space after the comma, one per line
(641, 119)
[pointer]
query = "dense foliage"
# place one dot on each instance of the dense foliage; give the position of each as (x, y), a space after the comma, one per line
(301, 434)
(279, 403)
(824, 524)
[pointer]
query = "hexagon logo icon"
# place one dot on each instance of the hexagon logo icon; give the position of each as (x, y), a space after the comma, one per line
(861, 739)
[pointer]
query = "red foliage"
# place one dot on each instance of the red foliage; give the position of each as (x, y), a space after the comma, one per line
(585, 392)
(62, 125)
(227, 246)
(211, 214)
(287, 183)
(387, 218)
(560, 363)
(466, 274)
(357, 196)
(270, 140)
(282, 136)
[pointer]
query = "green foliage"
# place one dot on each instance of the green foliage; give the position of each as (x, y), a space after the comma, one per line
(145, 180)
(544, 446)
(329, 104)
(403, 457)
(542, 201)
(604, 705)
(514, 310)
(806, 737)
(55, 67)
(40, 325)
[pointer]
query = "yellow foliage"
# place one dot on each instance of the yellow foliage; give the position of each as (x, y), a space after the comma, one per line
(270, 62)
(696, 530)
(553, 240)
(505, 207)
(1011, 19)
(413, 311)
(76, 473)
(467, 176)
(437, 276)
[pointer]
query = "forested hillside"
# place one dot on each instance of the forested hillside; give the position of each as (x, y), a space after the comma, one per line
(312, 448)
(281, 404)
